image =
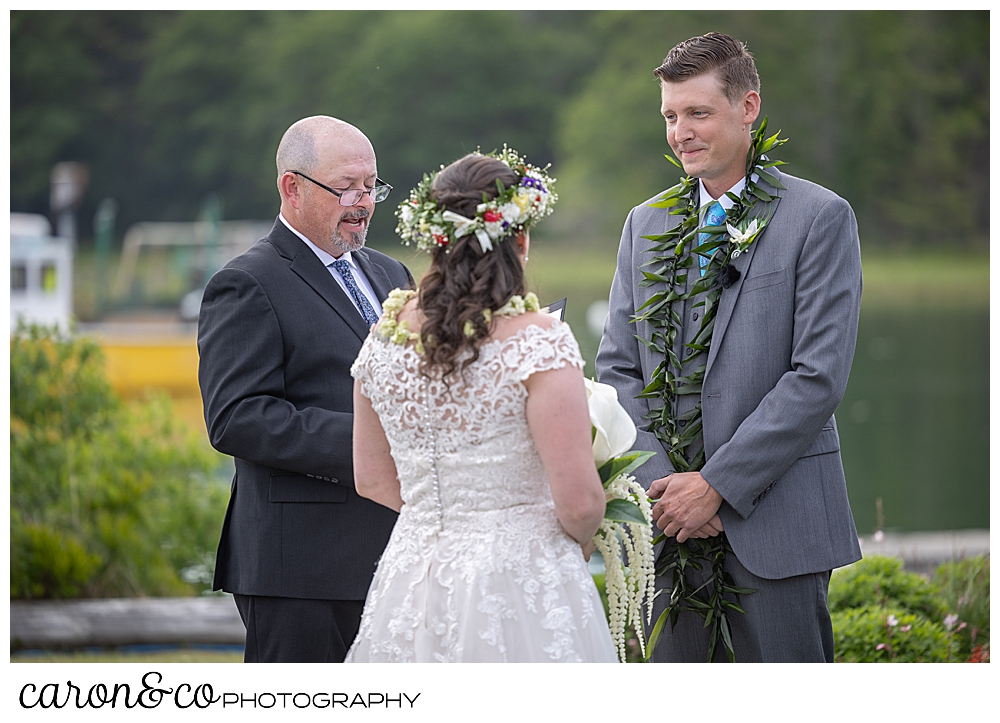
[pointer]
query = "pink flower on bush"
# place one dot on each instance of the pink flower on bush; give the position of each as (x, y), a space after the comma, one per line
(892, 621)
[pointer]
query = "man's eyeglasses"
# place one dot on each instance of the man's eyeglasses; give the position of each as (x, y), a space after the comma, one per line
(352, 196)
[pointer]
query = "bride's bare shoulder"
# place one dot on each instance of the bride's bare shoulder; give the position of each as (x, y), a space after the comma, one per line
(510, 325)
(411, 314)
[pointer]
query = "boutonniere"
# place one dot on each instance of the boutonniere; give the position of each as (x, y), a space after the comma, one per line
(741, 235)
(741, 238)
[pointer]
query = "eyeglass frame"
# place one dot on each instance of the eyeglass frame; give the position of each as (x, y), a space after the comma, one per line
(379, 185)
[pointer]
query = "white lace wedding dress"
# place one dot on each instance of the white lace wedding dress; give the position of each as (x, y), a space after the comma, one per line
(478, 568)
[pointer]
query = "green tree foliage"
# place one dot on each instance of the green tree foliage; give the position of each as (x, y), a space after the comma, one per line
(217, 89)
(912, 123)
(106, 499)
(73, 77)
(890, 108)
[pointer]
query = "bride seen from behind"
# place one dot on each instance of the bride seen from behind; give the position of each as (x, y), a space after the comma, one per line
(471, 420)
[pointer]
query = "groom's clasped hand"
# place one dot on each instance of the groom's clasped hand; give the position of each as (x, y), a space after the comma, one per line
(685, 506)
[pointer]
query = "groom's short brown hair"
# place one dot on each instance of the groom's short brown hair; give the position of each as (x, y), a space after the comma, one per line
(712, 52)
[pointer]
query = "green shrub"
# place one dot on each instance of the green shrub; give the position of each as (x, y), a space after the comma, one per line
(875, 634)
(965, 589)
(878, 580)
(48, 563)
(106, 499)
(881, 612)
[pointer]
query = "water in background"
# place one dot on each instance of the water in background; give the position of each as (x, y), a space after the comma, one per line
(914, 423)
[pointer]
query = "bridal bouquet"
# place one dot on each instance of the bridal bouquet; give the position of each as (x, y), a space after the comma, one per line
(625, 536)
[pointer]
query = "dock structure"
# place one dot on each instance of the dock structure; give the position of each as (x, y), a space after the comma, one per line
(46, 624)
(925, 551)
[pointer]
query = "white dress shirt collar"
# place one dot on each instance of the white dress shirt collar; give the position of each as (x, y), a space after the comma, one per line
(725, 201)
(323, 256)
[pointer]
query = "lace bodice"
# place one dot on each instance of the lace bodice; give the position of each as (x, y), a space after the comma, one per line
(478, 567)
(464, 449)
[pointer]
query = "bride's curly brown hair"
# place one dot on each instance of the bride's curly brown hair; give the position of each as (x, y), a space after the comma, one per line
(463, 280)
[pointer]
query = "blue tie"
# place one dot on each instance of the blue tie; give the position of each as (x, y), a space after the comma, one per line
(360, 300)
(715, 216)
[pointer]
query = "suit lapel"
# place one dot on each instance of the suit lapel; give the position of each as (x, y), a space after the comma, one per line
(377, 276)
(727, 301)
(311, 270)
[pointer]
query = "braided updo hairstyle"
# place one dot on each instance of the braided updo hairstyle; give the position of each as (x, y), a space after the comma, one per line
(463, 280)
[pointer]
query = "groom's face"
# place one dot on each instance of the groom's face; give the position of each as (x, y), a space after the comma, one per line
(708, 134)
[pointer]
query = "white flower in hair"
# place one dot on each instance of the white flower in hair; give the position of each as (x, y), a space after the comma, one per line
(513, 213)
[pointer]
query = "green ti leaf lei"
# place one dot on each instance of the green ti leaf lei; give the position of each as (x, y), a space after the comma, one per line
(674, 256)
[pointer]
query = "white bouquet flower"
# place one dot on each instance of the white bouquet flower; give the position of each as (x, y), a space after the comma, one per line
(626, 532)
(614, 432)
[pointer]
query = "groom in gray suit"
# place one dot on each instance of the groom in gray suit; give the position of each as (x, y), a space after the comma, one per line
(777, 366)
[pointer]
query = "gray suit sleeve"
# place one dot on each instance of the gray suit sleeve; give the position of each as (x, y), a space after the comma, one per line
(242, 381)
(618, 362)
(827, 301)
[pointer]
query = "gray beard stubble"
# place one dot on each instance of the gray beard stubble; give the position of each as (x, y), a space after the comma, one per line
(352, 242)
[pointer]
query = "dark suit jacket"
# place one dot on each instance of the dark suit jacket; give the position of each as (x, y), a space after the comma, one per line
(277, 337)
(778, 366)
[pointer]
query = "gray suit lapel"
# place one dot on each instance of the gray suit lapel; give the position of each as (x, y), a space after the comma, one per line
(727, 302)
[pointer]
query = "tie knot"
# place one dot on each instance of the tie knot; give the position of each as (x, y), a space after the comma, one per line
(715, 215)
(340, 265)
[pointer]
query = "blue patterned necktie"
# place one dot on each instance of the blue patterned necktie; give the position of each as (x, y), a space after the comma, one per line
(360, 300)
(715, 216)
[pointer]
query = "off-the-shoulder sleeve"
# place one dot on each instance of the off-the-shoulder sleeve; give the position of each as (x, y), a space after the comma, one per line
(542, 349)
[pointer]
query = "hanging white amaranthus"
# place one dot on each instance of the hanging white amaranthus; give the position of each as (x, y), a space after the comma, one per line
(625, 538)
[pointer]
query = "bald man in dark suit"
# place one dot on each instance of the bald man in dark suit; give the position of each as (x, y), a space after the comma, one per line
(279, 329)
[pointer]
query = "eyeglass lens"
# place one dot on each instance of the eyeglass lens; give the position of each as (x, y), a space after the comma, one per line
(352, 196)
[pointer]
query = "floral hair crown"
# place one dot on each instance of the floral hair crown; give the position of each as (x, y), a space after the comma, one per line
(427, 224)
